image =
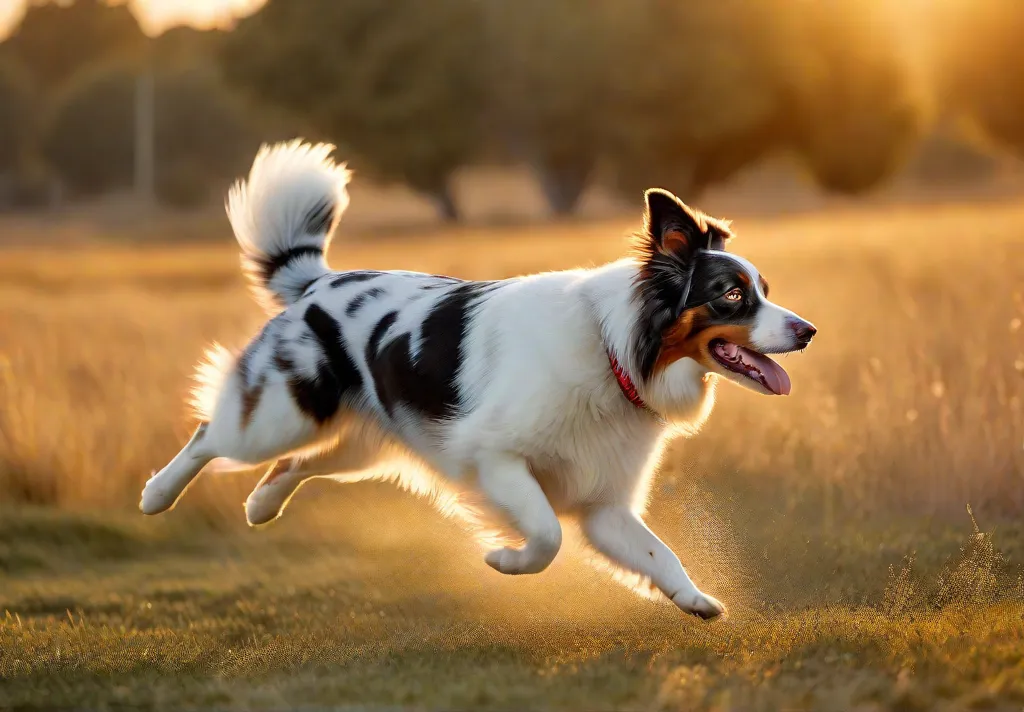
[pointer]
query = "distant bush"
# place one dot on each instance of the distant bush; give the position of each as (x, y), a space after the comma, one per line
(90, 138)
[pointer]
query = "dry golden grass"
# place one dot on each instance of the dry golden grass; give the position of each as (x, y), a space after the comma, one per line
(799, 511)
(910, 397)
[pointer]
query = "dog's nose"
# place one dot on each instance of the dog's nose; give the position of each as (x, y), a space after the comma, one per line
(804, 331)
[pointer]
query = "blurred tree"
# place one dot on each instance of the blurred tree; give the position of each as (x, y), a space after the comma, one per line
(183, 47)
(952, 155)
(55, 40)
(694, 93)
(550, 67)
(979, 60)
(400, 84)
(201, 134)
(704, 88)
(853, 112)
(16, 115)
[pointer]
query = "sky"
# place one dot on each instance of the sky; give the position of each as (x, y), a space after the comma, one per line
(155, 16)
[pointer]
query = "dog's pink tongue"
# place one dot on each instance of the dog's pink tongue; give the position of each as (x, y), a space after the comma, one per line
(775, 377)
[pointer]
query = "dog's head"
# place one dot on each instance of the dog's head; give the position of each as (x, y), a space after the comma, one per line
(702, 303)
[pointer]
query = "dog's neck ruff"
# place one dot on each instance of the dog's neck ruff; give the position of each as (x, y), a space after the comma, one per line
(628, 388)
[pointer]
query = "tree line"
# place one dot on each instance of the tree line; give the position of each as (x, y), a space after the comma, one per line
(629, 94)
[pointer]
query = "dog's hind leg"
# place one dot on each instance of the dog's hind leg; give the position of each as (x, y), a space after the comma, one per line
(269, 498)
(622, 536)
(511, 487)
(351, 460)
(275, 426)
(165, 487)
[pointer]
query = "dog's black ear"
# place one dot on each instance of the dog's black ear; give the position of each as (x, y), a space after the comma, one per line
(673, 227)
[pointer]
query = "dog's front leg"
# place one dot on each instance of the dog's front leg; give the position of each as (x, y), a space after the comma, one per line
(619, 534)
(507, 482)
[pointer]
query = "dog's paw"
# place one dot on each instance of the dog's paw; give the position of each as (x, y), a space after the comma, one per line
(517, 561)
(264, 505)
(506, 561)
(155, 498)
(700, 604)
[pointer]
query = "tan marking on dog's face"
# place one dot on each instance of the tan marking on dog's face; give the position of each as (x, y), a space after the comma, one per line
(691, 335)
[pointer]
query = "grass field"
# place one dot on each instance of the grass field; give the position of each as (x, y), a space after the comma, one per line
(833, 523)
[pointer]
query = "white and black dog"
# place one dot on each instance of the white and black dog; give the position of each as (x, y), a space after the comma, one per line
(513, 402)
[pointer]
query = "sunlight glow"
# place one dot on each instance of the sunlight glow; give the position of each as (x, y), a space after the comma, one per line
(156, 16)
(11, 12)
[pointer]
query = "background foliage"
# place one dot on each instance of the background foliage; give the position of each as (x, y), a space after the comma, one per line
(583, 92)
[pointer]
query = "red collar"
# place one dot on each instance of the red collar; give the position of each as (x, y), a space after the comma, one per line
(627, 386)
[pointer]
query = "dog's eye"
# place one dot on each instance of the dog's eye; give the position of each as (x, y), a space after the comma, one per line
(735, 295)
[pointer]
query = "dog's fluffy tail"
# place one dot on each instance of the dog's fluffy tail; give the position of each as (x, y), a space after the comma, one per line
(283, 216)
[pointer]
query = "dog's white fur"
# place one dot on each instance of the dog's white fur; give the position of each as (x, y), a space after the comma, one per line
(543, 430)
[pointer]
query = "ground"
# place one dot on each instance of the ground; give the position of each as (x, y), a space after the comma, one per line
(833, 523)
(398, 611)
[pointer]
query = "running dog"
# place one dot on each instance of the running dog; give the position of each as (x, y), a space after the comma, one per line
(514, 403)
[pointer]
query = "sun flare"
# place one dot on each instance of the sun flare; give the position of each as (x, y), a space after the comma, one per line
(155, 16)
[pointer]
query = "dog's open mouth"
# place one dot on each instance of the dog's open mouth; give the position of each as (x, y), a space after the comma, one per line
(757, 367)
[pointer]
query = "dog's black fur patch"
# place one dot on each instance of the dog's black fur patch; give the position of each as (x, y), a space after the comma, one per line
(378, 333)
(714, 276)
(356, 304)
(337, 376)
(442, 281)
(340, 366)
(355, 276)
(427, 383)
(272, 264)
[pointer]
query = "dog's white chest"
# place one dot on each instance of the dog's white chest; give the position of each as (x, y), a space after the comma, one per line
(584, 463)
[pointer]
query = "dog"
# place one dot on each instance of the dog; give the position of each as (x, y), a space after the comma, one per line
(514, 403)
